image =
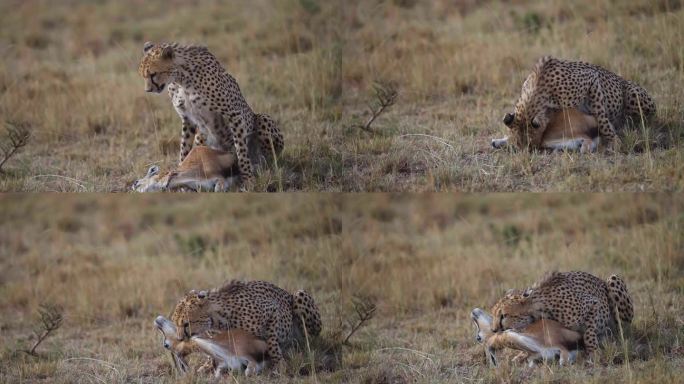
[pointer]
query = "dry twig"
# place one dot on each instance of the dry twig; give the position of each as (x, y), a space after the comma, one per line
(17, 137)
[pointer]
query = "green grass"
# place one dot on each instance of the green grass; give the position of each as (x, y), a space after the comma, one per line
(69, 72)
(426, 261)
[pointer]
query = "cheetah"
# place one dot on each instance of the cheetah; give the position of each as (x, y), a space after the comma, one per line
(578, 300)
(232, 349)
(258, 307)
(542, 340)
(204, 169)
(555, 84)
(568, 130)
(209, 102)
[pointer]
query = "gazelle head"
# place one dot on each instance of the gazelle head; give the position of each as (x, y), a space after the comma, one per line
(179, 348)
(153, 181)
(483, 324)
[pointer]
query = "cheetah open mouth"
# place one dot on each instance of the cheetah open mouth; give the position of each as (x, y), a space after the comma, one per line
(157, 87)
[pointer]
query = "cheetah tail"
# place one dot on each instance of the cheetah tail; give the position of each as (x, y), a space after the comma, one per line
(619, 298)
(304, 307)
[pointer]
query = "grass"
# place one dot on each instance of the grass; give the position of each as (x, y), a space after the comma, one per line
(113, 264)
(69, 72)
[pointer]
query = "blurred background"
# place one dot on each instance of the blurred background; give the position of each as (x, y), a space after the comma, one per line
(69, 76)
(424, 262)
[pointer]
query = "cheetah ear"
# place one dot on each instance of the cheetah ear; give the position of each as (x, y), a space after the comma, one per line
(167, 53)
(535, 123)
(511, 292)
(148, 45)
(508, 119)
(202, 294)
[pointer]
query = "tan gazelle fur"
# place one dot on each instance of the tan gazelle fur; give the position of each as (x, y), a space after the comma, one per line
(231, 349)
(203, 169)
(542, 340)
(568, 130)
(234, 348)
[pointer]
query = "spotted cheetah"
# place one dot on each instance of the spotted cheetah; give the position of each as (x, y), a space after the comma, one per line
(209, 102)
(578, 300)
(555, 84)
(258, 307)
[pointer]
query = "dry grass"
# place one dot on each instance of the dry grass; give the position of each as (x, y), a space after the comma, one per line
(113, 264)
(69, 72)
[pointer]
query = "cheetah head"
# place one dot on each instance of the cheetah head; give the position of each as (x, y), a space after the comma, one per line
(513, 311)
(157, 66)
(525, 133)
(192, 315)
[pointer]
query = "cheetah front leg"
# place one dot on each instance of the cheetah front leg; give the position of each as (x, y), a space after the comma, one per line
(209, 365)
(200, 139)
(598, 110)
(189, 130)
(521, 356)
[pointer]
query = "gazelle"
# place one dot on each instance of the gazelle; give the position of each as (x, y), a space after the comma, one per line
(541, 340)
(568, 130)
(203, 169)
(232, 349)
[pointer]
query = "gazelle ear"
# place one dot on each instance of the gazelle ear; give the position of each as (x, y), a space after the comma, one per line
(508, 119)
(153, 170)
(148, 45)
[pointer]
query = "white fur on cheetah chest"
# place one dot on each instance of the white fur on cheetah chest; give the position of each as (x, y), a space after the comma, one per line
(190, 105)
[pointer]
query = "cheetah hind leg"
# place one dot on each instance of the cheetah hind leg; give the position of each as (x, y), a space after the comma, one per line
(269, 136)
(277, 363)
(598, 110)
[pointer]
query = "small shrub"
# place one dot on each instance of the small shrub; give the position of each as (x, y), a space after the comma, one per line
(51, 317)
(16, 137)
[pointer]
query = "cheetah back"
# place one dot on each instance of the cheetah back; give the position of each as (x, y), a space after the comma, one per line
(251, 306)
